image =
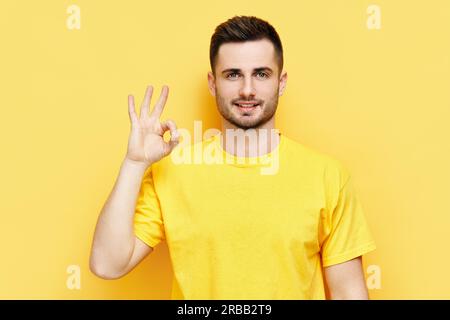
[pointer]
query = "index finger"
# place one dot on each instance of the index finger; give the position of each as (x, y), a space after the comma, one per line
(159, 106)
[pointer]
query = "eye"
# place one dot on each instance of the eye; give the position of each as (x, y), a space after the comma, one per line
(233, 73)
(264, 75)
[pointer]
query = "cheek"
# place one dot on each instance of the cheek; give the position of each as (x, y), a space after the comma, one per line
(228, 91)
(267, 89)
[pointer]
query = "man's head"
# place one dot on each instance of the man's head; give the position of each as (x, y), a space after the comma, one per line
(246, 59)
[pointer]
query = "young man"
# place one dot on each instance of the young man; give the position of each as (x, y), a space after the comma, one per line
(296, 231)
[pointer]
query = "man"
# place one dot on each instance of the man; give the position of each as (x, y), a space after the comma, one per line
(297, 232)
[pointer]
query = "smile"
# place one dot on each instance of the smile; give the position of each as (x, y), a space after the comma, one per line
(246, 106)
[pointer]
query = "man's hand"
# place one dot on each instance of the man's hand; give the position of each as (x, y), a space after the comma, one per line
(146, 144)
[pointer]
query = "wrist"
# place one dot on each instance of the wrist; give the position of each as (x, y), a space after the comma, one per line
(136, 165)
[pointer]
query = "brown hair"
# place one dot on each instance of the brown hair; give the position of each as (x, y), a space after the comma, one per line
(241, 29)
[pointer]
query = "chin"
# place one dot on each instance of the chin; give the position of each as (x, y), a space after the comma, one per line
(247, 124)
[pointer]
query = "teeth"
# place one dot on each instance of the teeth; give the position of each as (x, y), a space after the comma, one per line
(247, 105)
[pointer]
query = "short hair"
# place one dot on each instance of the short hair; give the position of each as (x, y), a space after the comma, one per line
(241, 29)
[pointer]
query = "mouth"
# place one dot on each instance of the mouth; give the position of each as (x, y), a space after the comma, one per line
(246, 106)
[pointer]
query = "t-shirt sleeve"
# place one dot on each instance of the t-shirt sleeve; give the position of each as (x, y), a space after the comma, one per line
(148, 221)
(345, 233)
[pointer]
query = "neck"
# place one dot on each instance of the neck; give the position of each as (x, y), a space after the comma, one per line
(253, 142)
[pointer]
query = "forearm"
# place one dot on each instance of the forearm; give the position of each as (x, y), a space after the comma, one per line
(114, 239)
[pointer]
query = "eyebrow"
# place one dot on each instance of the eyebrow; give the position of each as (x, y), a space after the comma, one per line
(256, 70)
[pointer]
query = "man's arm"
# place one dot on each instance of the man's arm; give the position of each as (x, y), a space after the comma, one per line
(115, 249)
(140, 251)
(346, 281)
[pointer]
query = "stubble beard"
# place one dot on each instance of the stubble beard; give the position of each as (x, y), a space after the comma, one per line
(246, 120)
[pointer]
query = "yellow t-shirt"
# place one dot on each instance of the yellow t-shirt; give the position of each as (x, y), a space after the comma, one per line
(237, 232)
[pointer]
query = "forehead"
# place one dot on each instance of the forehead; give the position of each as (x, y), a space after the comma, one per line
(246, 55)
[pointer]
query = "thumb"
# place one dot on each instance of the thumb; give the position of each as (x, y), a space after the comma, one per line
(169, 146)
(174, 136)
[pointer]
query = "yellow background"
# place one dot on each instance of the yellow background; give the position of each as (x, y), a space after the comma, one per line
(378, 100)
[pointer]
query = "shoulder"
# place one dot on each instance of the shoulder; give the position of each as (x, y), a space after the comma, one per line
(295, 148)
(334, 172)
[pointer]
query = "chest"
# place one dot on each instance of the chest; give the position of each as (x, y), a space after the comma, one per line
(254, 210)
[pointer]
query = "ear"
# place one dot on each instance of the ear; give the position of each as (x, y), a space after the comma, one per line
(211, 84)
(282, 84)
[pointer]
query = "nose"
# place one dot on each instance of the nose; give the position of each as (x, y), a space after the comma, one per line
(247, 89)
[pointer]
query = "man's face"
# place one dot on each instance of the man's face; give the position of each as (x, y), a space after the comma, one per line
(247, 72)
